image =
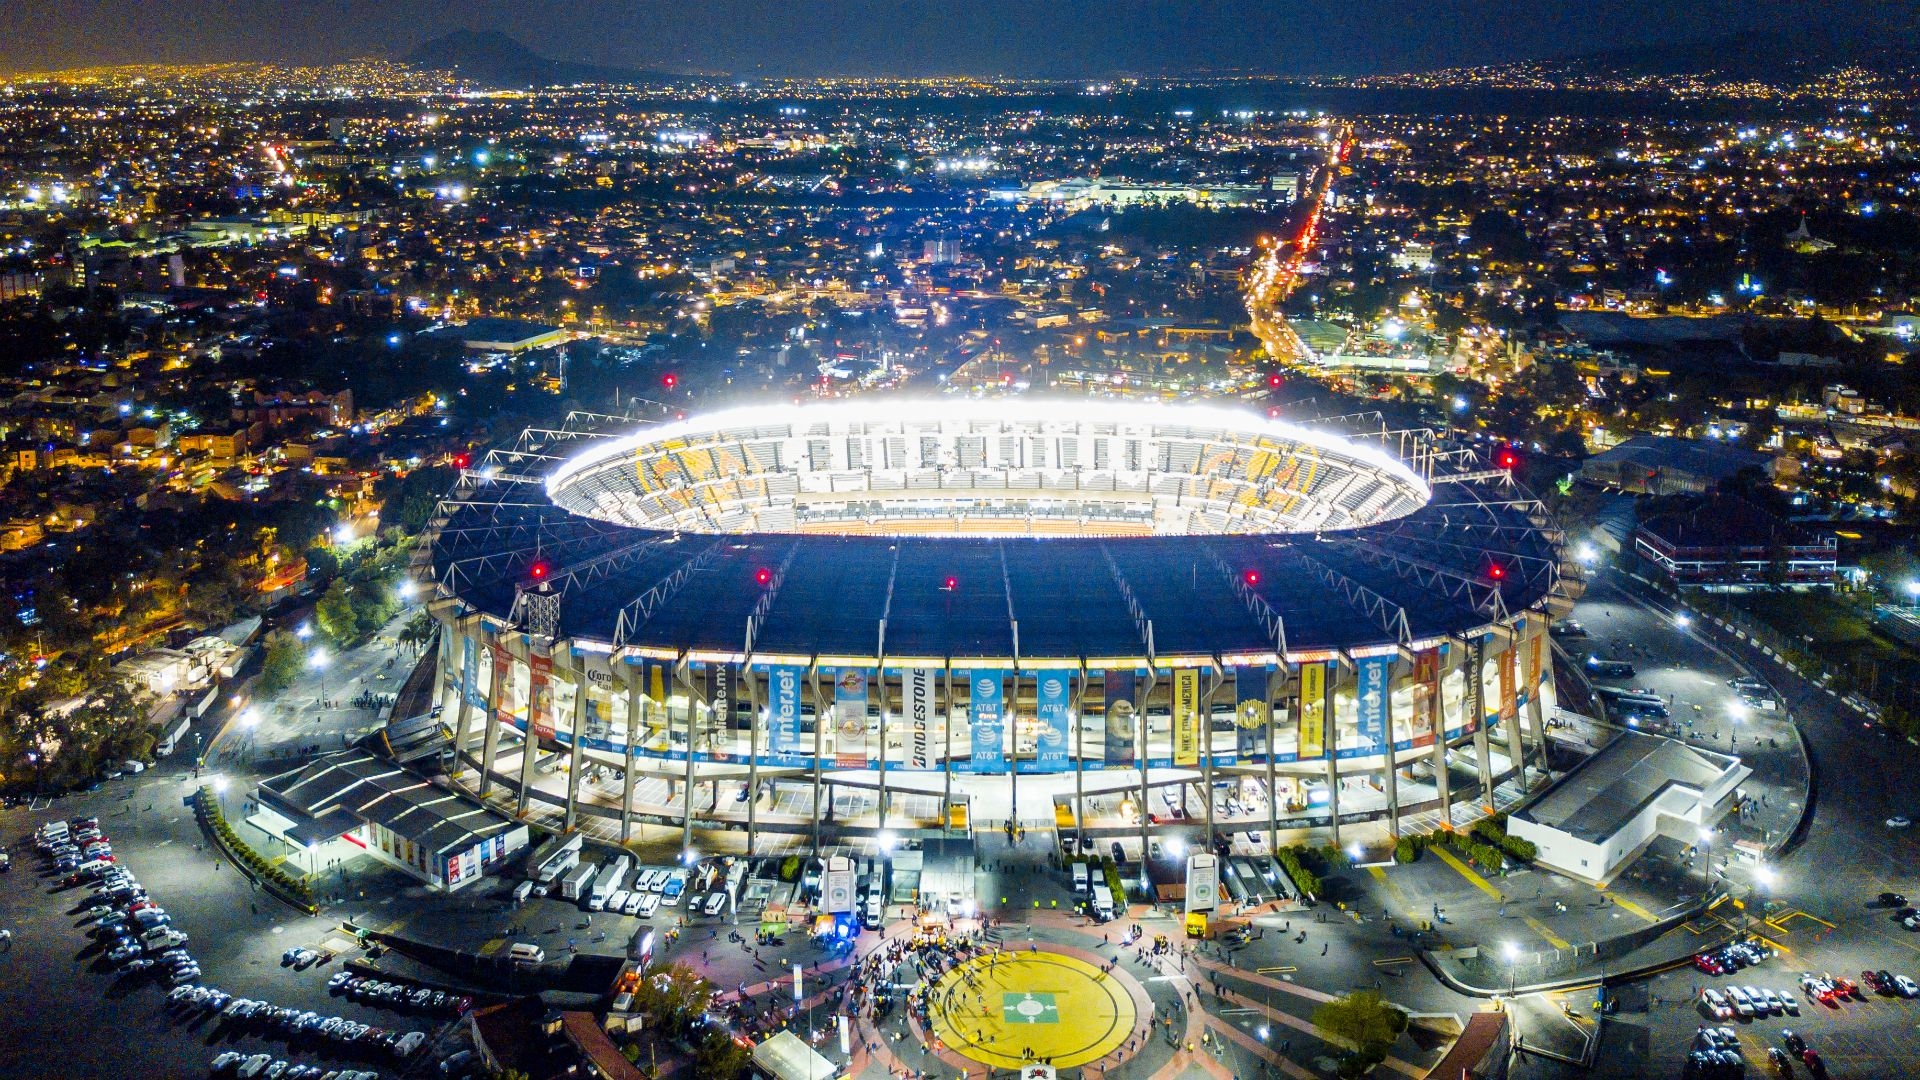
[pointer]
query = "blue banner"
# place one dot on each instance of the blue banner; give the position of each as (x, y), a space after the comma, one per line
(1252, 713)
(987, 718)
(1371, 692)
(1050, 745)
(783, 710)
(1118, 689)
(470, 674)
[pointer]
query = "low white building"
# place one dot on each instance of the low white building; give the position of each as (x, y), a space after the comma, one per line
(1600, 815)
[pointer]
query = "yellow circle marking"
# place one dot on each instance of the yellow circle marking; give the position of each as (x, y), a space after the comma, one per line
(1058, 1008)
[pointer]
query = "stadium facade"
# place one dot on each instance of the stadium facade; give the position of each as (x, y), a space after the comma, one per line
(959, 611)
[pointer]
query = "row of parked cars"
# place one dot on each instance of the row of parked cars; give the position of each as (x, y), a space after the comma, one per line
(266, 1019)
(1731, 957)
(1747, 1002)
(268, 1067)
(132, 931)
(398, 995)
(1716, 1056)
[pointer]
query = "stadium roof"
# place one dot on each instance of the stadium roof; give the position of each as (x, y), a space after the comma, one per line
(1477, 554)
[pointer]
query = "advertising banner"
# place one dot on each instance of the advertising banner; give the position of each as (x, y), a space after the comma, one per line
(1535, 645)
(1050, 714)
(470, 674)
(540, 695)
(1313, 710)
(1371, 695)
(1186, 716)
(919, 692)
(1509, 704)
(502, 667)
(1203, 882)
(850, 718)
(1426, 700)
(1251, 710)
(1118, 690)
(722, 682)
(783, 709)
(986, 713)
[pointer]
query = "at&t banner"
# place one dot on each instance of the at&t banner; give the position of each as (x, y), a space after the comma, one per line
(987, 717)
(1050, 742)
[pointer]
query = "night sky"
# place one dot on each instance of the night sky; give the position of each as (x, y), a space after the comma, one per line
(1069, 38)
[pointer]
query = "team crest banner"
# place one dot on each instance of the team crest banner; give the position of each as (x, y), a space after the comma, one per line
(1251, 710)
(1118, 689)
(850, 718)
(1313, 711)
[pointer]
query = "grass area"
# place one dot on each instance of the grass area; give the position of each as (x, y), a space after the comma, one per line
(1839, 631)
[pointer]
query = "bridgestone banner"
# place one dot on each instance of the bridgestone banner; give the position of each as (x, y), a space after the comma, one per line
(919, 690)
(1186, 716)
(1050, 744)
(986, 696)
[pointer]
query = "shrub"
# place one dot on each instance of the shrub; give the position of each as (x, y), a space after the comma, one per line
(1405, 851)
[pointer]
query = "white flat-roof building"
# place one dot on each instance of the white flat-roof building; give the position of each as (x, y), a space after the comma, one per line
(1594, 820)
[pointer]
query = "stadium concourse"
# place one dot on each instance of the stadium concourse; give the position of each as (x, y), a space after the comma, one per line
(876, 620)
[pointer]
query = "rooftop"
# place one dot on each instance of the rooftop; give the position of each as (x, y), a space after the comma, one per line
(1598, 797)
(340, 790)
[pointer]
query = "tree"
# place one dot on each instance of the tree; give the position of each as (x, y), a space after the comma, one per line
(285, 657)
(335, 613)
(1363, 1021)
(718, 1056)
(674, 995)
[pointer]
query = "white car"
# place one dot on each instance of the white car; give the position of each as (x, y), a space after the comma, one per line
(1716, 1003)
(635, 901)
(253, 1066)
(1898, 822)
(1907, 987)
(409, 1044)
(1790, 1003)
(716, 903)
(1742, 1004)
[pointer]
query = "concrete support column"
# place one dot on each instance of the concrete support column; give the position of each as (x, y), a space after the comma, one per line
(1392, 770)
(819, 748)
(1080, 762)
(463, 705)
(1140, 748)
(1536, 710)
(1516, 739)
(1331, 728)
(1477, 701)
(753, 756)
(1437, 709)
(880, 686)
(634, 727)
(530, 751)
(574, 759)
(685, 676)
(490, 742)
(946, 762)
(1273, 787)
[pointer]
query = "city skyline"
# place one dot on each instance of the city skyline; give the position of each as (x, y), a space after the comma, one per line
(746, 38)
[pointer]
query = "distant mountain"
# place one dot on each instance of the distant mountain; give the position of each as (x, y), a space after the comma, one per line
(498, 60)
(1765, 56)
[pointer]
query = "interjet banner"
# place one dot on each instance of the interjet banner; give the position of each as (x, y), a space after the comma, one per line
(850, 718)
(1371, 693)
(988, 719)
(1123, 721)
(919, 691)
(1050, 744)
(1251, 711)
(783, 709)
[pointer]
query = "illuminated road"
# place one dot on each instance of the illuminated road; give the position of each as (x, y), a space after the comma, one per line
(1273, 278)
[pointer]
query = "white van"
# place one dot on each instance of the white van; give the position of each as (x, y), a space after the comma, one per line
(525, 953)
(875, 914)
(521, 892)
(1102, 902)
(1080, 878)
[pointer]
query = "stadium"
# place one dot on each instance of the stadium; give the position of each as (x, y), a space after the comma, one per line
(861, 622)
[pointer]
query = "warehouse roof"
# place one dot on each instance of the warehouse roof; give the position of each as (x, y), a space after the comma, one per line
(1598, 797)
(331, 796)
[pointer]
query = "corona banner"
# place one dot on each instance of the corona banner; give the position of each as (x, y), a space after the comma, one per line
(1050, 740)
(850, 718)
(540, 696)
(1186, 716)
(1313, 711)
(1119, 689)
(1425, 719)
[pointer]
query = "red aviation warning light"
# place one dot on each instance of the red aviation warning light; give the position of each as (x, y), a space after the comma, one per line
(539, 570)
(1274, 381)
(1251, 577)
(950, 584)
(670, 380)
(462, 459)
(1505, 458)
(1496, 571)
(763, 577)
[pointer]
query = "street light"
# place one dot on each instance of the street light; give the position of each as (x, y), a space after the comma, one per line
(1683, 620)
(318, 662)
(1512, 952)
(1913, 594)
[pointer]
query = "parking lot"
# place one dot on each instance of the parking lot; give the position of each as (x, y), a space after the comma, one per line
(72, 1014)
